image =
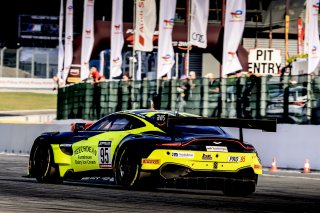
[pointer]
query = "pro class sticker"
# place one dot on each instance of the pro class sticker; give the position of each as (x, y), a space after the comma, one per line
(235, 159)
(105, 160)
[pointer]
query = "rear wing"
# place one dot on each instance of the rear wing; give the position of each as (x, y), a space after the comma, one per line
(267, 125)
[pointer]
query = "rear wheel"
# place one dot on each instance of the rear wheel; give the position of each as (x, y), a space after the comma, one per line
(128, 169)
(42, 165)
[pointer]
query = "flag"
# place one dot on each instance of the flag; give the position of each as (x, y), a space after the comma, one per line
(199, 23)
(117, 40)
(68, 40)
(87, 37)
(233, 30)
(312, 44)
(61, 50)
(300, 35)
(145, 25)
(165, 49)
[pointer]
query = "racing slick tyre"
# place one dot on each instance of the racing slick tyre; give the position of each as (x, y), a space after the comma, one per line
(42, 165)
(127, 169)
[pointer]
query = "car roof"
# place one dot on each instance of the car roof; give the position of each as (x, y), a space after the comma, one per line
(150, 113)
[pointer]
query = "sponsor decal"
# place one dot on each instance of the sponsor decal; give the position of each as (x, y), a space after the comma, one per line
(314, 50)
(168, 23)
(206, 157)
(167, 57)
(237, 14)
(86, 149)
(161, 119)
(150, 161)
(182, 155)
(217, 148)
(117, 29)
(116, 60)
(236, 159)
(88, 33)
(83, 155)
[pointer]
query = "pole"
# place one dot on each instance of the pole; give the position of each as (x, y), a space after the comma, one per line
(223, 81)
(256, 39)
(132, 61)
(188, 37)
(223, 15)
(287, 22)
(270, 26)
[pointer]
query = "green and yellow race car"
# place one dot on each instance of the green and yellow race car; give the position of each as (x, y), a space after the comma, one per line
(152, 148)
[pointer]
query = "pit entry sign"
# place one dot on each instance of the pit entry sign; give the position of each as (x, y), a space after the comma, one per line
(264, 60)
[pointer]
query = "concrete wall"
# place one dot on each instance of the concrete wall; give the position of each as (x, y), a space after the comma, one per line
(18, 138)
(291, 145)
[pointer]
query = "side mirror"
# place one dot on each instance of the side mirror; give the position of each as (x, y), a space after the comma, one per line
(76, 127)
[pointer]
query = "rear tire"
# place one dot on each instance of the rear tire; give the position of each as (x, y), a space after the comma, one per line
(127, 169)
(42, 164)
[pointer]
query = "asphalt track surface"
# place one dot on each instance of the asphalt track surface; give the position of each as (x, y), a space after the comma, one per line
(281, 191)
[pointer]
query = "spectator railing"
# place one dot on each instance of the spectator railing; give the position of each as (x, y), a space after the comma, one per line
(290, 99)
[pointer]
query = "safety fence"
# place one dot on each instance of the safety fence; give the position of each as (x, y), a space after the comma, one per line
(290, 99)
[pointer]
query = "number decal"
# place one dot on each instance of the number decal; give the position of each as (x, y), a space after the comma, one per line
(104, 155)
(105, 160)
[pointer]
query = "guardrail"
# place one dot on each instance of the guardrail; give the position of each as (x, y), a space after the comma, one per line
(290, 99)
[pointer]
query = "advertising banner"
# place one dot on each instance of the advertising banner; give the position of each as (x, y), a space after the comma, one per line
(87, 37)
(68, 39)
(117, 40)
(145, 25)
(199, 23)
(233, 30)
(61, 50)
(312, 35)
(300, 36)
(165, 48)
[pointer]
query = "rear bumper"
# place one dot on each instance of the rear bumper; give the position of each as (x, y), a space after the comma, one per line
(178, 163)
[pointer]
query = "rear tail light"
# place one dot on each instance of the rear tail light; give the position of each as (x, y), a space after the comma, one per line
(171, 144)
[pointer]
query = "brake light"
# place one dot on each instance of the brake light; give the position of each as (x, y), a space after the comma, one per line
(172, 144)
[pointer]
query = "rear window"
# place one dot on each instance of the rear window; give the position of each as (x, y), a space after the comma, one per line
(201, 130)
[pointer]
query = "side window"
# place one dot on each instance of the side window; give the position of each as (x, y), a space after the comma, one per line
(135, 123)
(119, 123)
(125, 122)
(102, 125)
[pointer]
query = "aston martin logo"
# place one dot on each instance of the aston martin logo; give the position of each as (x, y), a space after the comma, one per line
(217, 142)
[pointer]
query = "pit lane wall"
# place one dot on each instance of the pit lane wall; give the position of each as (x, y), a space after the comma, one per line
(291, 145)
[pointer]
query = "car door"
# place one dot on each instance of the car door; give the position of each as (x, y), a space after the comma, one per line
(97, 152)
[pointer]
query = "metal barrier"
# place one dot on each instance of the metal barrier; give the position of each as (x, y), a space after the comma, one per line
(290, 99)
